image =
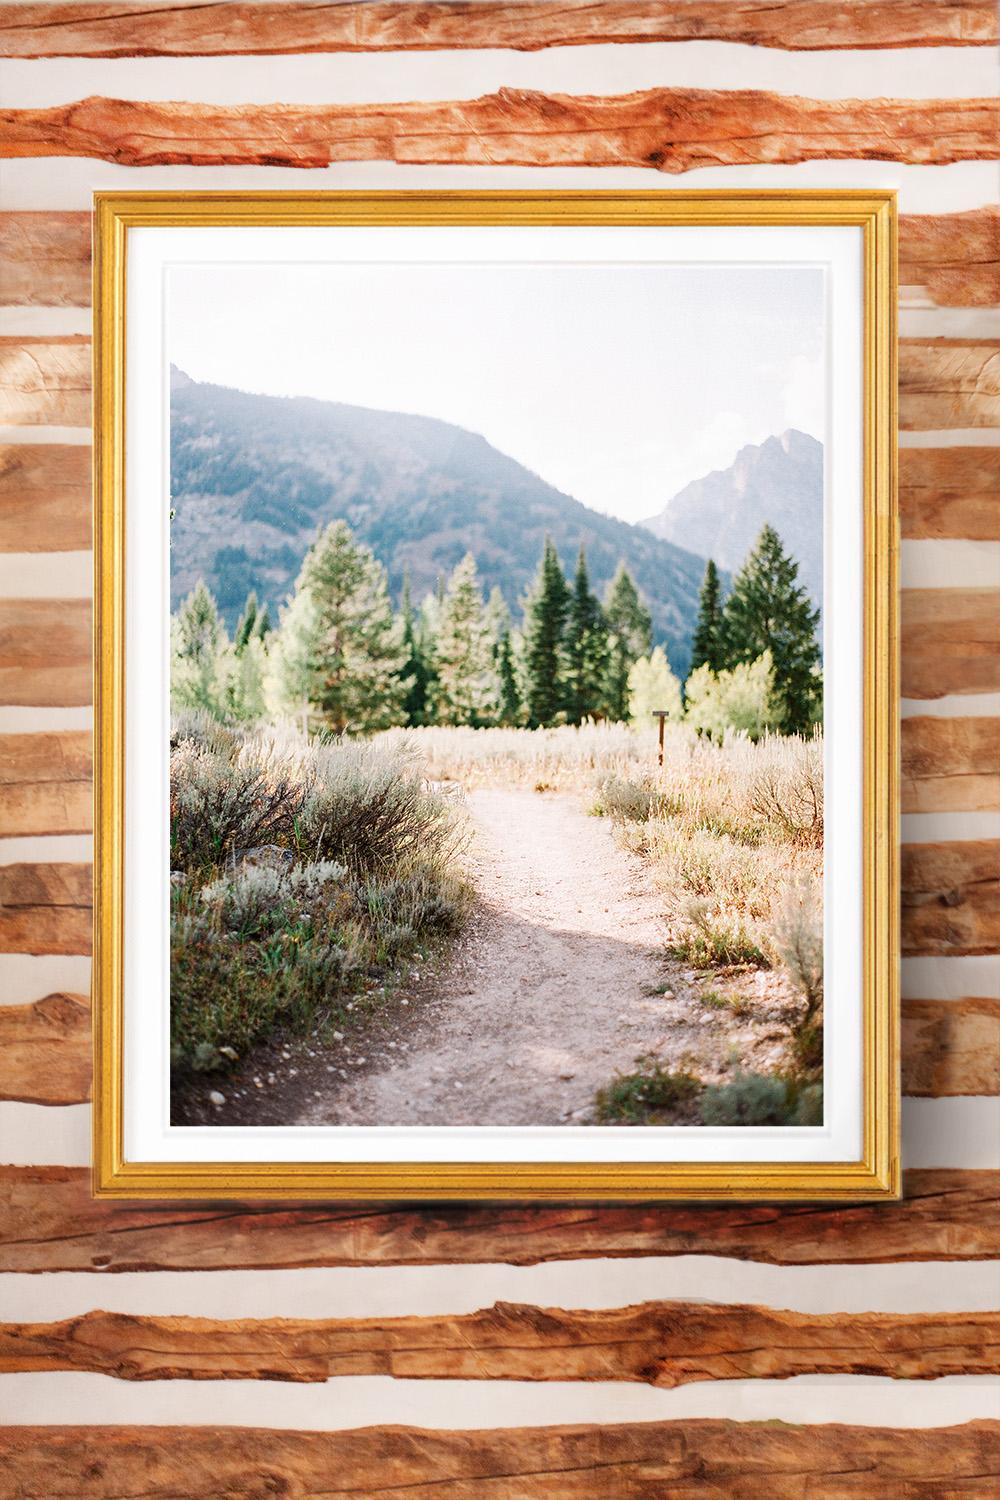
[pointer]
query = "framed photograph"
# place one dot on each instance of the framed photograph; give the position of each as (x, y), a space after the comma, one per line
(496, 696)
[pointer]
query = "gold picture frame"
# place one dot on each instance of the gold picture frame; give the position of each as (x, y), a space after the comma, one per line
(876, 1173)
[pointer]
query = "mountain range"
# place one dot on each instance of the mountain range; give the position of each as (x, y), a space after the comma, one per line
(779, 482)
(254, 478)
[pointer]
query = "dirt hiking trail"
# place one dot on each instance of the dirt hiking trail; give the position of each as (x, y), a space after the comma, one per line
(550, 992)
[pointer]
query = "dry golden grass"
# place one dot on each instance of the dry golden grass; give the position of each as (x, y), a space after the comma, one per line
(567, 758)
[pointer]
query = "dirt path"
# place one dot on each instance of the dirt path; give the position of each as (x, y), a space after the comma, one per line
(550, 994)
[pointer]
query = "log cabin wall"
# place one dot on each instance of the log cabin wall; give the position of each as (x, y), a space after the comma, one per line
(503, 1351)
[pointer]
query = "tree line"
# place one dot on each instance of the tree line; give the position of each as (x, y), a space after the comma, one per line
(344, 658)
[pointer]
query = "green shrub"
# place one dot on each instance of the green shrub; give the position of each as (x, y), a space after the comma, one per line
(269, 948)
(751, 1099)
(650, 1096)
(713, 940)
(809, 1108)
(797, 939)
(712, 1000)
(628, 801)
(761, 1099)
(370, 809)
(260, 900)
(219, 807)
(304, 873)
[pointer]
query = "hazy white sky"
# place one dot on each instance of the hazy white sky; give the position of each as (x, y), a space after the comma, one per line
(618, 384)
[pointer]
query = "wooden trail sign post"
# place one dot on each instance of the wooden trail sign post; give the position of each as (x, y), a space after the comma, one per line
(660, 714)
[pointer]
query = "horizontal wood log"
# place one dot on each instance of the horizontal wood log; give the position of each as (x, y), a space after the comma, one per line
(949, 894)
(950, 640)
(950, 765)
(954, 258)
(666, 1344)
(950, 492)
(950, 644)
(672, 130)
(46, 1050)
(190, 29)
(45, 652)
(690, 1460)
(45, 783)
(45, 908)
(45, 380)
(44, 497)
(951, 897)
(44, 259)
(942, 382)
(948, 1048)
(951, 1047)
(50, 1222)
(948, 383)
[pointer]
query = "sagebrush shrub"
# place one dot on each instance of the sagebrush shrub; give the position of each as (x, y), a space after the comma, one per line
(797, 939)
(625, 800)
(370, 808)
(649, 1096)
(305, 873)
(713, 938)
(219, 807)
(751, 1099)
(259, 898)
(761, 1099)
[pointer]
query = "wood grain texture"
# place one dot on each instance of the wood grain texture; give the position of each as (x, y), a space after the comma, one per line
(951, 1047)
(46, 1050)
(950, 642)
(948, 1048)
(45, 652)
(45, 380)
(45, 783)
(672, 130)
(44, 497)
(44, 259)
(189, 29)
(954, 258)
(689, 1460)
(50, 1222)
(951, 897)
(950, 492)
(950, 765)
(948, 383)
(45, 908)
(666, 1344)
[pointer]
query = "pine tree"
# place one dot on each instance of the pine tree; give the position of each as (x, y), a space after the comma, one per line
(630, 630)
(252, 625)
(586, 649)
(497, 618)
(510, 709)
(244, 682)
(417, 669)
(466, 689)
(545, 620)
(769, 611)
(343, 651)
(198, 649)
(707, 646)
(246, 623)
